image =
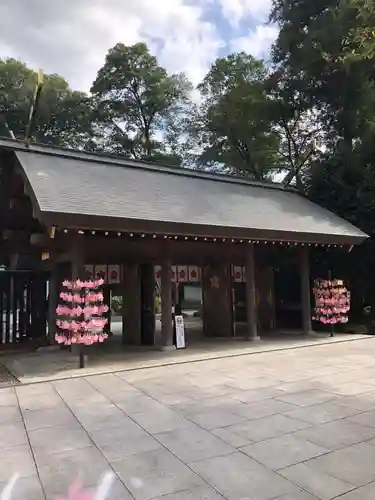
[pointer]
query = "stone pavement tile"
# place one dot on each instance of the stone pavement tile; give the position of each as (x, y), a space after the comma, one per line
(110, 435)
(74, 388)
(210, 420)
(221, 403)
(34, 390)
(26, 488)
(362, 402)
(300, 386)
(265, 408)
(281, 452)
(112, 387)
(118, 491)
(58, 439)
(365, 493)
(99, 416)
(50, 417)
(155, 473)
(366, 418)
(139, 404)
(199, 493)
(239, 477)
(17, 459)
(338, 434)
(199, 393)
(246, 383)
(12, 435)
(322, 413)
(319, 484)
(193, 443)
(8, 397)
(351, 388)
(37, 396)
(308, 398)
(117, 442)
(58, 471)
(255, 395)
(354, 465)
(174, 399)
(231, 437)
(41, 402)
(260, 429)
(92, 399)
(297, 495)
(162, 420)
(10, 414)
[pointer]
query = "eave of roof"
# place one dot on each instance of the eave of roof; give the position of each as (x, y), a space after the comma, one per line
(132, 195)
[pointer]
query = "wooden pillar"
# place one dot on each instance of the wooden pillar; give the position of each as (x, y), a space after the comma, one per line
(251, 305)
(53, 299)
(166, 305)
(218, 320)
(147, 284)
(131, 304)
(305, 290)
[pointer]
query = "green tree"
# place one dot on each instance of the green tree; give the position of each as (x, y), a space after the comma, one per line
(310, 51)
(232, 126)
(138, 103)
(63, 116)
(312, 58)
(361, 41)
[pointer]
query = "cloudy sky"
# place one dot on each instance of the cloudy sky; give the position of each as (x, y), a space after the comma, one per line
(71, 37)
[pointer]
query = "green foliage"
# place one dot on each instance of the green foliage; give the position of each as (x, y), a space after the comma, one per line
(137, 100)
(63, 117)
(232, 127)
(321, 56)
(361, 40)
(117, 305)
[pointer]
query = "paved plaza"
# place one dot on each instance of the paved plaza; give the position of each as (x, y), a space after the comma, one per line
(297, 424)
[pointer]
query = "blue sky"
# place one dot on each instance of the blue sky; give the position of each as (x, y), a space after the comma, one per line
(72, 37)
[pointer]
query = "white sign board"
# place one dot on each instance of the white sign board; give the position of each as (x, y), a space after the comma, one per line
(180, 332)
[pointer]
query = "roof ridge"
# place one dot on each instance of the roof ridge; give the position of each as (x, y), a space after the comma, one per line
(119, 161)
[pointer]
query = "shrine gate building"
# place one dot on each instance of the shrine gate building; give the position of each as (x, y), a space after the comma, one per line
(67, 214)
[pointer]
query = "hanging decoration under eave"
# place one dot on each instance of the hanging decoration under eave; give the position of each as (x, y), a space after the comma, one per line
(80, 318)
(332, 302)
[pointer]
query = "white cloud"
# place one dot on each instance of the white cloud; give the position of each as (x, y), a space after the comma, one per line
(236, 11)
(258, 42)
(72, 37)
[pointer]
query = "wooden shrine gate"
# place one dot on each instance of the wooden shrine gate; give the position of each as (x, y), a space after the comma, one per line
(23, 307)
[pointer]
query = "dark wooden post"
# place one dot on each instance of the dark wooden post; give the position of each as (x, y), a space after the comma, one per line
(131, 304)
(251, 305)
(305, 290)
(78, 268)
(166, 305)
(53, 299)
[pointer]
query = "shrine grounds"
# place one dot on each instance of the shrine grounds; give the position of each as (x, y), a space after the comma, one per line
(294, 424)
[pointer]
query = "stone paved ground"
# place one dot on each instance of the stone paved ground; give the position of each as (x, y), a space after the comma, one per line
(288, 425)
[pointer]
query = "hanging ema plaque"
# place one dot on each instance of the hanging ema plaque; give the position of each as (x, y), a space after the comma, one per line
(332, 302)
(80, 319)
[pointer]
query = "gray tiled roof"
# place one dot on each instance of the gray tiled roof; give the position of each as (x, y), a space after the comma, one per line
(79, 183)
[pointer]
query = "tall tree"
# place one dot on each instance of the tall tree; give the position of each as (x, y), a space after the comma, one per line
(318, 53)
(63, 117)
(138, 102)
(361, 41)
(310, 51)
(233, 123)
